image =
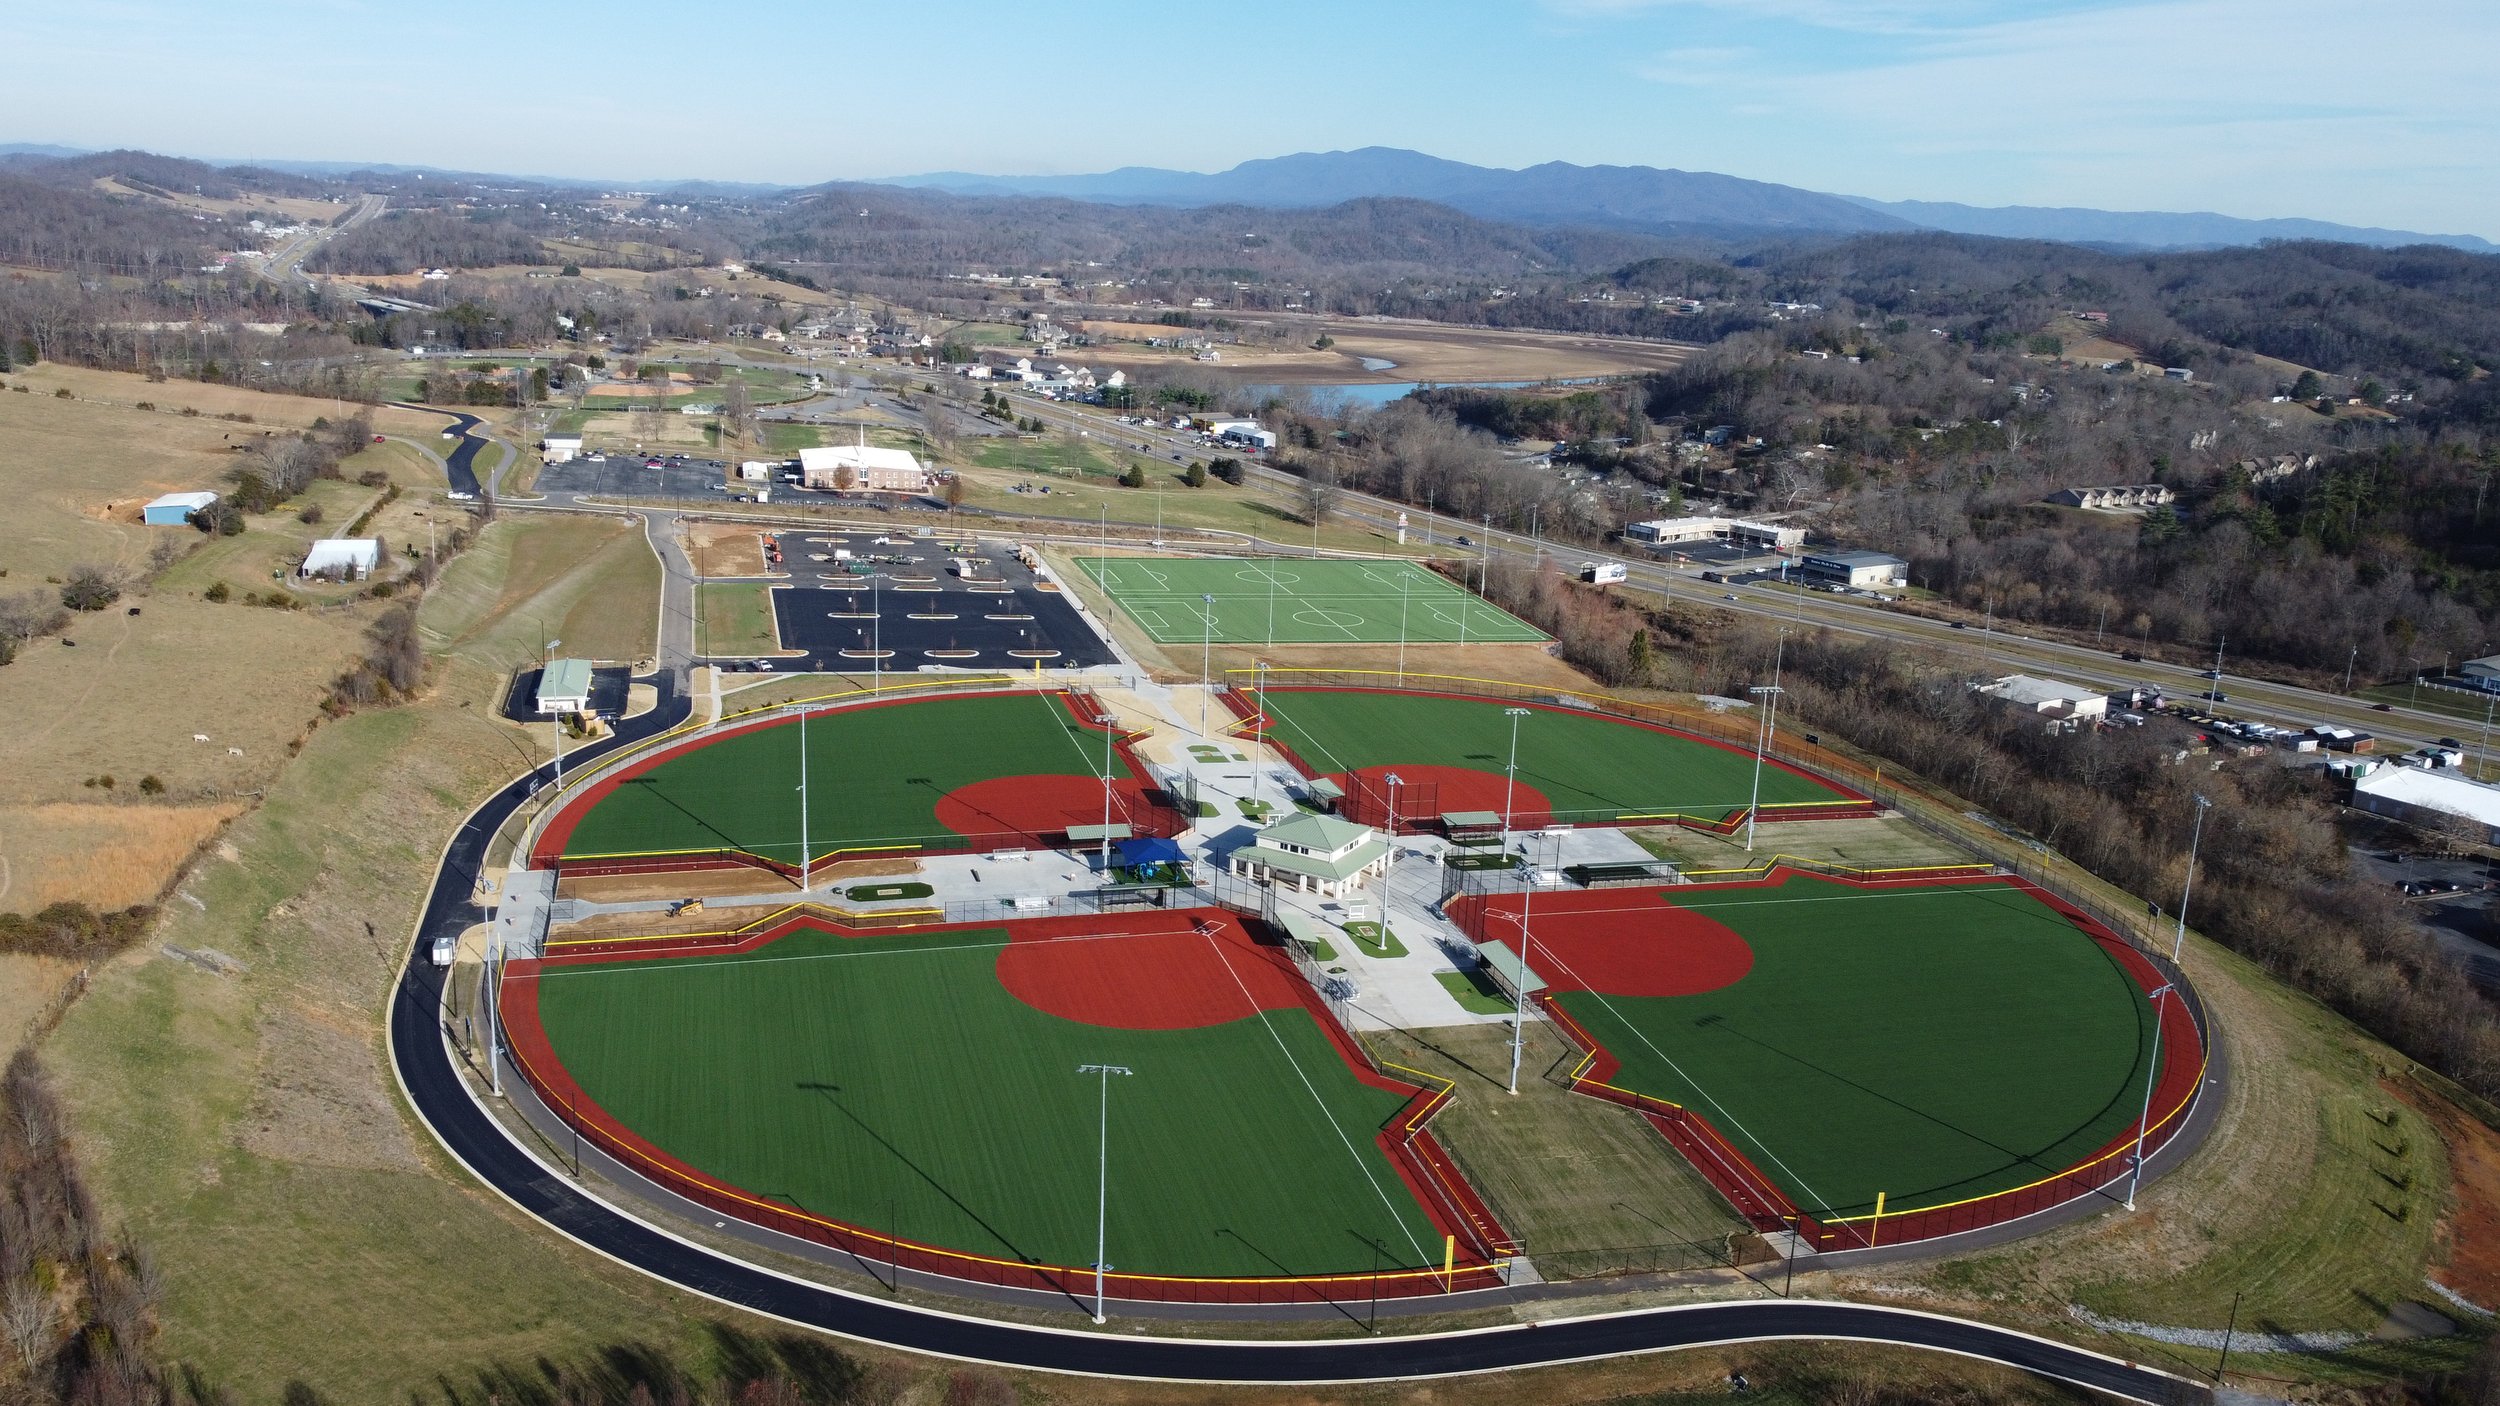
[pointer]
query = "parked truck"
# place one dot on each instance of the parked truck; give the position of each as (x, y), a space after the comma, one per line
(1603, 573)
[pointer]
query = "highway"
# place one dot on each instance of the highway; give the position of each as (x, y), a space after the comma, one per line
(1977, 647)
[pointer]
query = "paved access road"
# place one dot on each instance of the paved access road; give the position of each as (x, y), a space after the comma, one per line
(423, 1060)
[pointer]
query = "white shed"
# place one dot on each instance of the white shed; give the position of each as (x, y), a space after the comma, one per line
(347, 558)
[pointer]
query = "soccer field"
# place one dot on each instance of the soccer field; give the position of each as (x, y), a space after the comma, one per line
(1298, 601)
(1573, 765)
(927, 1087)
(1931, 1043)
(933, 773)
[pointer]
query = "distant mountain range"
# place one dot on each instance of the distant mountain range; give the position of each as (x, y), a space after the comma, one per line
(1648, 199)
(1555, 195)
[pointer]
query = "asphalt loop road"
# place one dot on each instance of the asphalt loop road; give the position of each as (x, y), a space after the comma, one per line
(423, 1060)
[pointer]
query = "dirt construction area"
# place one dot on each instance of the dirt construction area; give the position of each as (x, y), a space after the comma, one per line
(1418, 351)
(726, 549)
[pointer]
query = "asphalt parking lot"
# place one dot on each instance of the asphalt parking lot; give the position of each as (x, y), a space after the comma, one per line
(918, 612)
(2449, 897)
(608, 691)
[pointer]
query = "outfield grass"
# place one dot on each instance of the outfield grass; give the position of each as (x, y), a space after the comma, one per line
(928, 1101)
(1567, 1174)
(1932, 1043)
(877, 775)
(1268, 601)
(732, 619)
(1587, 766)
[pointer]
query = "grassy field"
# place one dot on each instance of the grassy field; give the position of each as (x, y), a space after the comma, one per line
(1934, 1044)
(895, 1083)
(1569, 1175)
(1298, 602)
(735, 620)
(591, 582)
(882, 769)
(1586, 767)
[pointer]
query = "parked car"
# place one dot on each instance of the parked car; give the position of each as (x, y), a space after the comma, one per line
(2131, 656)
(445, 948)
(2382, 707)
(1730, 597)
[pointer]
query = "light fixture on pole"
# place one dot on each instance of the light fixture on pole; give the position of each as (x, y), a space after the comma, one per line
(2178, 942)
(1510, 784)
(1102, 1181)
(1762, 734)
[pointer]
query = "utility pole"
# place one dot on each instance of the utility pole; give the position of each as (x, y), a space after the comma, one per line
(1102, 1181)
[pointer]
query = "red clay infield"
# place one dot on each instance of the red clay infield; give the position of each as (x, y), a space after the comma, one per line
(1036, 806)
(1428, 791)
(1622, 942)
(1175, 979)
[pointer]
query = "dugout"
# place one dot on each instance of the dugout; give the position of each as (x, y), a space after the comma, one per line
(1509, 973)
(1629, 874)
(1324, 793)
(1471, 827)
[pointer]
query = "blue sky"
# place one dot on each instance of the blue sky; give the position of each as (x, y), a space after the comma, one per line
(2378, 115)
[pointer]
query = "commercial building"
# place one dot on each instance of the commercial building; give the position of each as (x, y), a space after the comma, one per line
(560, 448)
(1319, 854)
(863, 466)
(2434, 797)
(1858, 570)
(1671, 531)
(175, 509)
(2483, 673)
(563, 687)
(2050, 698)
(342, 558)
(1245, 433)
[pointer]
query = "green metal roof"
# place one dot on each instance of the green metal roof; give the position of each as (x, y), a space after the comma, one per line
(565, 678)
(1325, 833)
(1507, 966)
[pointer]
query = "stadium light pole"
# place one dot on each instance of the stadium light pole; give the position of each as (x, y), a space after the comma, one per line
(1519, 988)
(1402, 627)
(2178, 941)
(1762, 735)
(1107, 735)
(542, 678)
(1206, 662)
(1510, 773)
(804, 876)
(1395, 781)
(1102, 1180)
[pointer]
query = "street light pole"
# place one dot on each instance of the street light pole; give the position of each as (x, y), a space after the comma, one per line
(1762, 735)
(1102, 1180)
(542, 678)
(2178, 942)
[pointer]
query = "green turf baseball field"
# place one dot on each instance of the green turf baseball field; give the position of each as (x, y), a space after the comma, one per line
(1299, 601)
(1573, 765)
(1933, 1043)
(983, 771)
(928, 1087)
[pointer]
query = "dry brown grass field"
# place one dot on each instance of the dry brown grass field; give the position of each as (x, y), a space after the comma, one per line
(28, 987)
(108, 856)
(171, 398)
(251, 205)
(725, 549)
